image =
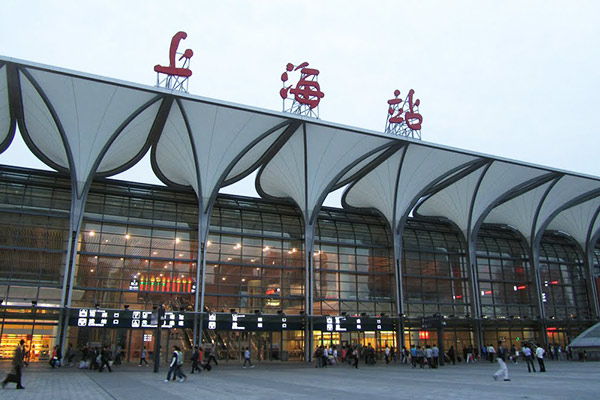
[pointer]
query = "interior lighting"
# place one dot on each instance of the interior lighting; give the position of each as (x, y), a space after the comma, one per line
(155, 252)
(243, 279)
(294, 250)
(92, 233)
(237, 246)
(177, 240)
(127, 236)
(92, 270)
(252, 260)
(180, 254)
(267, 248)
(229, 258)
(208, 243)
(223, 278)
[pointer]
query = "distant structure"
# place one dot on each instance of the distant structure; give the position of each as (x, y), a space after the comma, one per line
(173, 77)
(307, 93)
(403, 117)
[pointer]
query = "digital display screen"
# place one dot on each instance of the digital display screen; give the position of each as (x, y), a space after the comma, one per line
(252, 322)
(99, 318)
(352, 324)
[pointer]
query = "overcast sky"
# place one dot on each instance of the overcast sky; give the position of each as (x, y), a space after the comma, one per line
(517, 79)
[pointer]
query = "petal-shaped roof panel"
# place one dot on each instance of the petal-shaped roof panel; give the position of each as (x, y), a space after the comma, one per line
(6, 122)
(40, 130)
(356, 169)
(90, 114)
(284, 174)
(131, 142)
(421, 168)
(576, 220)
(499, 180)
(319, 155)
(519, 211)
(247, 161)
(173, 158)
(222, 136)
(568, 188)
(377, 188)
(454, 201)
(395, 185)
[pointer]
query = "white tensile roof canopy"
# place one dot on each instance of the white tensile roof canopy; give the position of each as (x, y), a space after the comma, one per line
(90, 126)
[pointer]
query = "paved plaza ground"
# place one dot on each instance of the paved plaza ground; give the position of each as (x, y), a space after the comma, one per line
(282, 381)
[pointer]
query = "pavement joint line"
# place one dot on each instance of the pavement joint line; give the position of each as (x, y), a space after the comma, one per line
(100, 386)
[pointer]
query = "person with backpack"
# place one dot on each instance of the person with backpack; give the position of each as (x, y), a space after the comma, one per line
(179, 370)
(175, 365)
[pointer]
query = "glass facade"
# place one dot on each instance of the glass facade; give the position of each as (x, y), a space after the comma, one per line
(435, 276)
(563, 278)
(353, 261)
(138, 247)
(506, 282)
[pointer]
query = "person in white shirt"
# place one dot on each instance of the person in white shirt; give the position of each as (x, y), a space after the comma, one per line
(539, 354)
(503, 369)
(528, 360)
(491, 351)
(387, 355)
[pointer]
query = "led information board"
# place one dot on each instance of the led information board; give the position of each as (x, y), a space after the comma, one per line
(252, 322)
(349, 324)
(99, 318)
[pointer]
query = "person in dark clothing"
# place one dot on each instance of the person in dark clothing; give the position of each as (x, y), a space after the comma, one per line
(196, 358)
(104, 359)
(452, 355)
(17, 367)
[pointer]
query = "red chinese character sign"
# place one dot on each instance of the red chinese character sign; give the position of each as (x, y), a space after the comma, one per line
(175, 78)
(403, 117)
(306, 94)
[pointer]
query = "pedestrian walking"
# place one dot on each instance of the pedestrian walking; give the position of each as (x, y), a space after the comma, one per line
(247, 358)
(528, 358)
(16, 371)
(503, 371)
(387, 355)
(179, 371)
(212, 355)
(175, 365)
(539, 354)
(436, 355)
(355, 357)
(196, 358)
(491, 351)
(105, 358)
(429, 356)
(143, 357)
(452, 355)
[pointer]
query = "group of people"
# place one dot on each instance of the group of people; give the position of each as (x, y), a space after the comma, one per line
(425, 356)
(350, 355)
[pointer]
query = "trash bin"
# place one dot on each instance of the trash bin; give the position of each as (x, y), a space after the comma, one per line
(285, 356)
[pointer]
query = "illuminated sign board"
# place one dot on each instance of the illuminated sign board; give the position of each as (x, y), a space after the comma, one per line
(348, 324)
(99, 318)
(252, 322)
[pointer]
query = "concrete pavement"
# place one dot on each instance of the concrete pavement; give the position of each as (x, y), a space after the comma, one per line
(564, 380)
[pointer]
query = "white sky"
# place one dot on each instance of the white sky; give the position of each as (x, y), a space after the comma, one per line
(517, 79)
